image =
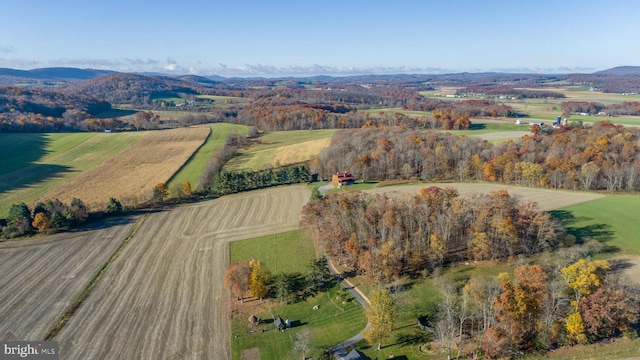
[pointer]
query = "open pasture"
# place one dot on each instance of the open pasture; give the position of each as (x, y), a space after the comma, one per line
(166, 289)
(42, 276)
(37, 163)
(281, 148)
(135, 171)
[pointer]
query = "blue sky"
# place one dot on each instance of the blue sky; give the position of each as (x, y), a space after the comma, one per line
(260, 38)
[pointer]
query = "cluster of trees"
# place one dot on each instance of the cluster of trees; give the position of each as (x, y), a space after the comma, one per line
(593, 108)
(252, 278)
(49, 216)
(386, 236)
(462, 108)
(602, 156)
(233, 182)
(538, 308)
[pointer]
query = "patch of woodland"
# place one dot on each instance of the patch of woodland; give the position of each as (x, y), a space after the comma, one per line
(385, 236)
(598, 157)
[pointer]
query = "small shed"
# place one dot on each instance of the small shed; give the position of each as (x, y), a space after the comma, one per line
(279, 323)
(342, 178)
(352, 355)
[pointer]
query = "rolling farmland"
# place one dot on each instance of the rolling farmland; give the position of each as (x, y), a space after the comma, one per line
(134, 172)
(41, 277)
(37, 163)
(193, 168)
(281, 148)
(164, 295)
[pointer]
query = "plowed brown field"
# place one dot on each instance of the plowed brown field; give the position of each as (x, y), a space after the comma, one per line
(41, 277)
(163, 297)
(135, 171)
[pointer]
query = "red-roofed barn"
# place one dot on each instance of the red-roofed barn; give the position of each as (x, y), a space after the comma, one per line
(342, 178)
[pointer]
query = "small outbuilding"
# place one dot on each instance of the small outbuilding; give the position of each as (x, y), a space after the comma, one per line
(280, 325)
(352, 355)
(342, 178)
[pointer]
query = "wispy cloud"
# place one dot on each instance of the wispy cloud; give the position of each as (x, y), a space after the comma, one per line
(7, 49)
(171, 66)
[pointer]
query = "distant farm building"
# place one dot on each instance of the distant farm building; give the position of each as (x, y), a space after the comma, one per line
(342, 178)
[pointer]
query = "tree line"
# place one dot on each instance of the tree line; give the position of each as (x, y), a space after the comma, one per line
(50, 216)
(227, 182)
(603, 156)
(594, 108)
(386, 236)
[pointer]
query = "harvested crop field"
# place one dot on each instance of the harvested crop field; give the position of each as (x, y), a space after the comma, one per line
(299, 152)
(41, 277)
(134, 172)
(546, 198)
(163, 297)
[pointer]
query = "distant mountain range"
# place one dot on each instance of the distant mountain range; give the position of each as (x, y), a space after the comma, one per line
(64, 74)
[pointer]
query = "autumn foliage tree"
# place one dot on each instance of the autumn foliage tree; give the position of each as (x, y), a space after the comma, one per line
(258, 279)
(519, 306)
(237, 278)
(381, 315)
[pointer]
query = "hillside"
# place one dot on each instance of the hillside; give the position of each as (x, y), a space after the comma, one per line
(133, 89)
(620, 70)
(46, 75)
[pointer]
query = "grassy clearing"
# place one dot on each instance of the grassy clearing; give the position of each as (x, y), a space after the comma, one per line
(294, 251)
(339, 316)
(611, 220)
(193, 168)
(37, 163)
(478, 128)
(281, 148)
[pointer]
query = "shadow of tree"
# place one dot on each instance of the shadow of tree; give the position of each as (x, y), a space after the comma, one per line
(600, 232)
(477, 126)
(18, 168)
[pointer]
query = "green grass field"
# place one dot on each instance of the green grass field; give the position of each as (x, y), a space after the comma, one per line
(294, 251)
(339, 316)
(271, 143)
(37, 163)
(193, 168)
(611, 220)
